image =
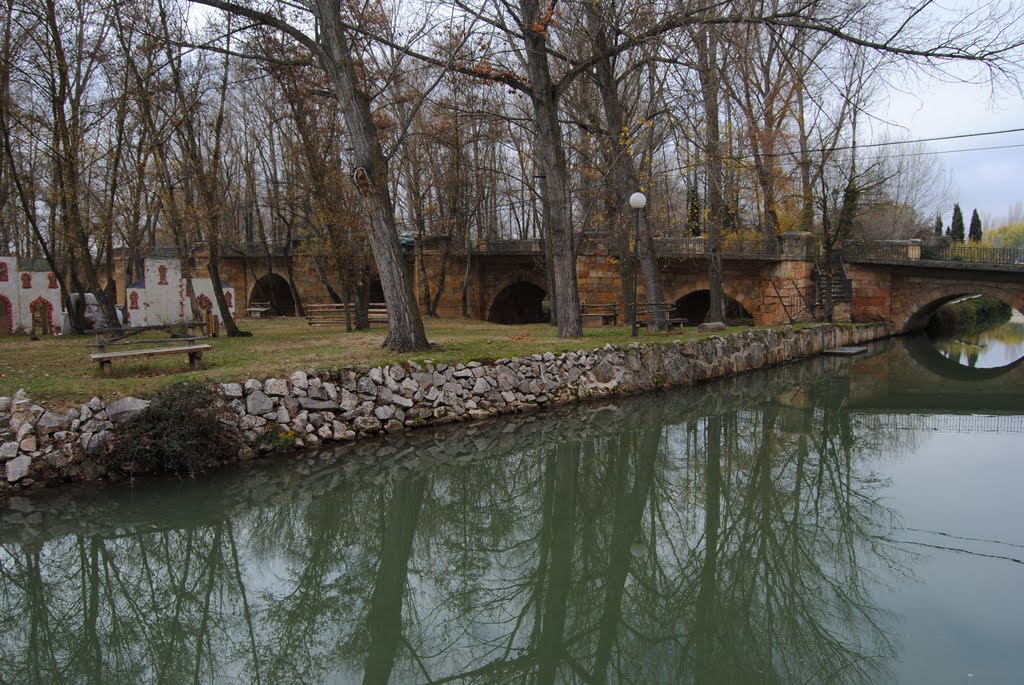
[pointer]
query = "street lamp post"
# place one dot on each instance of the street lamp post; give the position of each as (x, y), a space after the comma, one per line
(637, 201)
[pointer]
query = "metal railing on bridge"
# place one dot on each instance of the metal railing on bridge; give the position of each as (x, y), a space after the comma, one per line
(918, 251)
(770, 247)
(510, 247)
(742, 248)
(949, 423)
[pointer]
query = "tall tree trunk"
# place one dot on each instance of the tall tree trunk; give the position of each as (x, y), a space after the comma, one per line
(405, 326)
(622, 174)
(324, 281)
(218, 292)
(706, 43)
(556, 175)
(67, 150)
(441, 277)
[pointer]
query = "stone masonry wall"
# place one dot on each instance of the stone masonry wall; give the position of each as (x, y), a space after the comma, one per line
(310, 408)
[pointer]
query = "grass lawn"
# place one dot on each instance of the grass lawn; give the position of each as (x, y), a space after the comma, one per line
(57, 370)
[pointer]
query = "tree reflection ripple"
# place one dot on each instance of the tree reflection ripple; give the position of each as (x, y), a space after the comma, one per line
(730, 533)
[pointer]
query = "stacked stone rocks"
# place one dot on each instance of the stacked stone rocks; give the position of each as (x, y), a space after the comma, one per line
(311, 408)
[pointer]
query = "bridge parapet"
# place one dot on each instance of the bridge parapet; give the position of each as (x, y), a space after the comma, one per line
(509, 247)
(732, 248)
(954, 256)
(799, 245)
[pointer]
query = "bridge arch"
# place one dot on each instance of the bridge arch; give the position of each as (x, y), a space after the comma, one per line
(694, 305)
(914, 309)
(518, 303)
(274, 289)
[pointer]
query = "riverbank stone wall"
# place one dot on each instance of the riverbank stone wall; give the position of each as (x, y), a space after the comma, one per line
(312, 408)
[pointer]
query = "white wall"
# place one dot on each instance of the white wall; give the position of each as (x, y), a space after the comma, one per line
(21, 298)
(165, 304)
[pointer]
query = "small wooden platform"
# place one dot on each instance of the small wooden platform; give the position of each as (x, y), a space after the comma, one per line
(256, 310)
(846, 351)
(194, 352)
(647, 316)
(599, 314)
(338, 314)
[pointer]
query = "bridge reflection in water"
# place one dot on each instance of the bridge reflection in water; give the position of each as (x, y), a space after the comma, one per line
(948, 423)
(734, 532)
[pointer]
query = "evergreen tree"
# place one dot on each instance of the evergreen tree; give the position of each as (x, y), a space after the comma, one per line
(974, 234)
(938, 225)
(693, 210)
(956, 230)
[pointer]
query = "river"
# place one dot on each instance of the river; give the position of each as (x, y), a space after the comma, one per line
(990, 348)
(839, 520)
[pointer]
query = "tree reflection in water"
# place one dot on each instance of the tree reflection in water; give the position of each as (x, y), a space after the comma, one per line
(725, 534)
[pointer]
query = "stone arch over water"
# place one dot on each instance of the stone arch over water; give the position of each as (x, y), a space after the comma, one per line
(518, 303)
(913, 309)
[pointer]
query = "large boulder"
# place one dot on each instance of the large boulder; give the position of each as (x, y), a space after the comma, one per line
(17, 468)
(367, 424)
(125, 408)
(275, 387)
(50, 422)
(258, 403)
(8, 451)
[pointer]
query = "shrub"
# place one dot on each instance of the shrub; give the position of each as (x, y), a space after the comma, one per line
(278, 439)
(185, 428)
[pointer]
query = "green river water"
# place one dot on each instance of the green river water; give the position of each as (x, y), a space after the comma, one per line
(839, 520)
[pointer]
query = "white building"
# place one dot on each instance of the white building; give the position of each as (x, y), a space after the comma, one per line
(160, 296)
(29, 298)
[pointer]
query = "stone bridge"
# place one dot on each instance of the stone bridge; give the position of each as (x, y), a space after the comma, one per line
(767, 281)
(771, 282)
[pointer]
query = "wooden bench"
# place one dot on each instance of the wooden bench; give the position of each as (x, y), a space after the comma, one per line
(600, 314)
(184, 334)
(337, 314)
(195, 355)
(647, 316)
(256, 310)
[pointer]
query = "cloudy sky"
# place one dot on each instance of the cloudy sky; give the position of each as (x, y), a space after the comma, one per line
(989, 180)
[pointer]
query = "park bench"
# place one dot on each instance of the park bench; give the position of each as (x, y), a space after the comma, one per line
(336, 314)
(647, 316)
(257, 310)
(183, 335)
(599, 314)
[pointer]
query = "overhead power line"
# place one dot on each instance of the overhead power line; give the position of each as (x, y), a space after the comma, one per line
(924, 153)
(935, 139)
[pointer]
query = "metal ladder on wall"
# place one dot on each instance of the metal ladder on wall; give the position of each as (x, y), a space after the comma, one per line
(831, 276)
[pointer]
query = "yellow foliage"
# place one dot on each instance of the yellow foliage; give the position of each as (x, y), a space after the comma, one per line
(1011, 235)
